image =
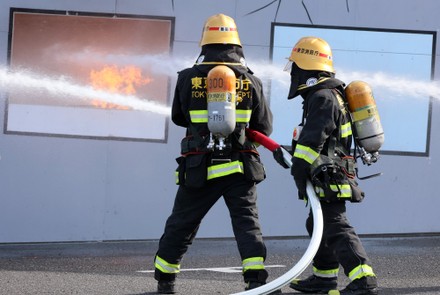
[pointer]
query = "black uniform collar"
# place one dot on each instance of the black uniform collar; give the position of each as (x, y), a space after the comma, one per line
(323, 83)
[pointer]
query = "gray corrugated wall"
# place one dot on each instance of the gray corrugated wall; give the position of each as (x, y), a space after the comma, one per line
(71, 189)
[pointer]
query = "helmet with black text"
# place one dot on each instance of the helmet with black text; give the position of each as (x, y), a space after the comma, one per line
(311, 53)
(310, 63)
(220, 29)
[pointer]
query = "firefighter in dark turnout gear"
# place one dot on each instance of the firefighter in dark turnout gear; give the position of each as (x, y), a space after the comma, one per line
(321, 153)
(205, 174)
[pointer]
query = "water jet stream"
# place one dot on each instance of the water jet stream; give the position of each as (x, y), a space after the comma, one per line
(10, 80)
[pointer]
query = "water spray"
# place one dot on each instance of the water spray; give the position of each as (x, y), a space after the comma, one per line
(401, 86)
(165, 64)
(10, 80)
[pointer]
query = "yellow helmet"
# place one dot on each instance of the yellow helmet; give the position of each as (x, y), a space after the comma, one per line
(220, 29)
(311, 53)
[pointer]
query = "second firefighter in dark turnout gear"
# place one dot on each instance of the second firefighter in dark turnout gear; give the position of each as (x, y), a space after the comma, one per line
(321, 153)
(205, 172)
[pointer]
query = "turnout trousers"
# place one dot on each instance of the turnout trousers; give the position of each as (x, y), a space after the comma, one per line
(192, 204)
(340, 244)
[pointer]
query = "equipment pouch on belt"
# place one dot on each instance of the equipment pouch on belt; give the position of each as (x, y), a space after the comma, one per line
(334, 181)
(193, 144)
(253, 168)
(194, 170)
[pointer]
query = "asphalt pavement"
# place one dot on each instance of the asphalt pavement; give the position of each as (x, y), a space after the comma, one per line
(404, 265)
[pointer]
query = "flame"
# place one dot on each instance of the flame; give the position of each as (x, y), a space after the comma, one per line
(123, 80)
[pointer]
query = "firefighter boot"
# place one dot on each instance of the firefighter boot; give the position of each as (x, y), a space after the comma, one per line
(314, 284)
(166, 282)
(255, 279)
(362, 286)
(165, 287)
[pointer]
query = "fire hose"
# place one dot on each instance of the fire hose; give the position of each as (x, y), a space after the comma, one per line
(318, 225)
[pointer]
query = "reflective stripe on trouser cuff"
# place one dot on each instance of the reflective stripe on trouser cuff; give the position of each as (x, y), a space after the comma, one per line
(225, 169)
(330, 273)
(166, 267)
(253, 263)
(361, 271)
(307, 154)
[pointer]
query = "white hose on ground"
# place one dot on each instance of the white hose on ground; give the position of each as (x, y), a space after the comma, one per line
(306, 259)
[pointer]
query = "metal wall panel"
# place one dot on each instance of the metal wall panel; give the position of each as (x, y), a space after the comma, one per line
(76, 189)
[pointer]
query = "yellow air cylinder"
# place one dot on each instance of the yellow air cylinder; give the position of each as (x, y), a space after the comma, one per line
(221, 92)
(362, 106)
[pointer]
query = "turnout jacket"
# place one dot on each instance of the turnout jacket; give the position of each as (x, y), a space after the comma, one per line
(324, 116)
(325, 140)
(189, 109)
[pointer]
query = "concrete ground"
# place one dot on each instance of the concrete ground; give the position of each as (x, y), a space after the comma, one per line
(404, 265)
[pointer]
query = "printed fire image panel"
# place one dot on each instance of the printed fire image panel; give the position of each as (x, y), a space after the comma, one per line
(88, 54)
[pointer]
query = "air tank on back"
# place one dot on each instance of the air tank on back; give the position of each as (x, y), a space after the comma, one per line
(221, 93)
(362, 106)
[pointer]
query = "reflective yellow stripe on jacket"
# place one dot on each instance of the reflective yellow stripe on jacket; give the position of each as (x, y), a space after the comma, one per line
(346, 130)
(344, 188)
(306, 153)
(165, 267)
(243, 116)
(199, 116)
(253, 263)
(224, 169)
(220, 170)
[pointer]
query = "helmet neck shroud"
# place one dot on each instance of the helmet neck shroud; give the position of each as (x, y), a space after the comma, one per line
(227, 54)
(301, 81)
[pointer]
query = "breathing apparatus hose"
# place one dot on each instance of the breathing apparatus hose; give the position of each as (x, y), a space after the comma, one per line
(318, 226)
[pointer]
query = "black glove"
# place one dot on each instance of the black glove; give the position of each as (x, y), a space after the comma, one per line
(278, 155)
(301, 173)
